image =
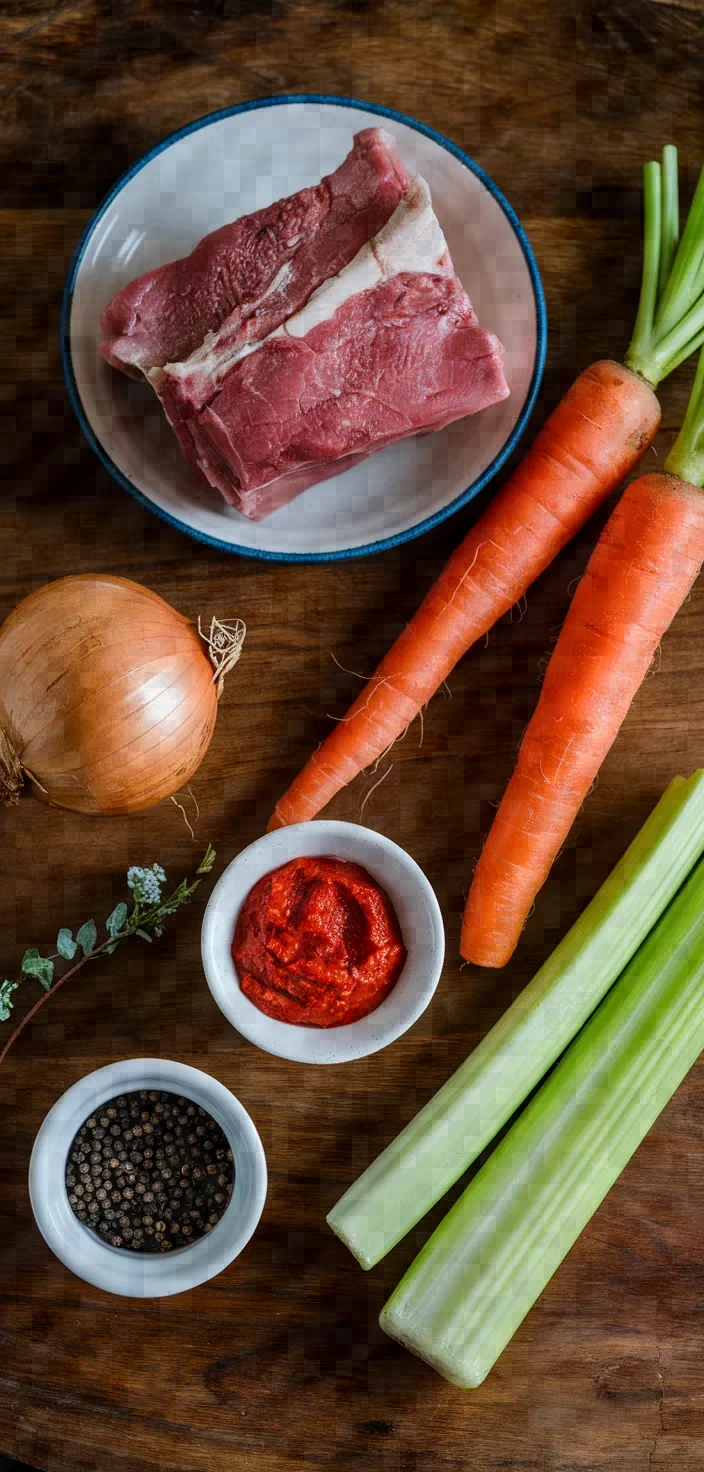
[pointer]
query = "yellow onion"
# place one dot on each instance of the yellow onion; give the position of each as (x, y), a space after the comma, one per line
(108, 696)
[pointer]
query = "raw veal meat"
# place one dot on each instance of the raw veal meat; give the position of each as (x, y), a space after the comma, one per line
(187, 387)
(296, 341)
(254, 273)
(388, 347)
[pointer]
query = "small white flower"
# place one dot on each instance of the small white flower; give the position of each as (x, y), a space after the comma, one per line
(146, 883)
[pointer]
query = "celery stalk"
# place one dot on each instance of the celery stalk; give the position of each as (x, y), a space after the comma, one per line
(431, 1153)
(465, 1294)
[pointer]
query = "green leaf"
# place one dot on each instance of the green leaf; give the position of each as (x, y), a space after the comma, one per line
(66, 945)
(87, 936)
(6, 1003)
(38, 966)
(112, 947)
(115, 922)
(144, 935)
(207, 860)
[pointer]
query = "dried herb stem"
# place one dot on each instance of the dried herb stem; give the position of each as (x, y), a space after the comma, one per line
(146, 920)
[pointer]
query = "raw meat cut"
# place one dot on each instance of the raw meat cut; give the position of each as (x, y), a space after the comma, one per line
(296, 341)
(389, 347)
(252, 274)
(186, 387)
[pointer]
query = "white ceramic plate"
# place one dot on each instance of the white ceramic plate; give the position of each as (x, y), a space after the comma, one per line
(239, 160)
(419, 917)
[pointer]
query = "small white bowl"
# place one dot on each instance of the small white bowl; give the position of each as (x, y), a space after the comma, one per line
(116, 1270)
(418, 914)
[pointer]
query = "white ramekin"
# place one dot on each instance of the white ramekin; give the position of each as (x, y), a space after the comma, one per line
(133, 1274)
(418, 913)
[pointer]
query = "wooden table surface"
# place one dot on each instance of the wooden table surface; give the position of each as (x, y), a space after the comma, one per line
(279, 1363)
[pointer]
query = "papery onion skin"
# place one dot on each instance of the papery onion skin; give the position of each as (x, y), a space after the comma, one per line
(107, 695)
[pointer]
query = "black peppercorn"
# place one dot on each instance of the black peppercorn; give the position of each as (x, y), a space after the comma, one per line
(144, 1200)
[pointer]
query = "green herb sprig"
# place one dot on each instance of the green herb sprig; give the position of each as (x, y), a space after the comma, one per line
(150, 909)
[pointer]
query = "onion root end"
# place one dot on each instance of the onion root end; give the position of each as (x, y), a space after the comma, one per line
(11, 773)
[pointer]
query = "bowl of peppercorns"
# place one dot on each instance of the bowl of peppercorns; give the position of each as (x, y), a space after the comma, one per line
(147, 1177)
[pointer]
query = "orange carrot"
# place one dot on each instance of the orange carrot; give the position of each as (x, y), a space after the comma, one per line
(593, 438)
(641, 570)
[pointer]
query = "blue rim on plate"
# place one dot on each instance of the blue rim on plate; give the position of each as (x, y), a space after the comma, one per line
(386, 542)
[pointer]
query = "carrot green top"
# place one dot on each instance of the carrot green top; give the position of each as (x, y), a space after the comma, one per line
(670, 321)
(686, 458)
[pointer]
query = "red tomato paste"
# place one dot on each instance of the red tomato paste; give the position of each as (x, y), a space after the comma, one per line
(317, 942)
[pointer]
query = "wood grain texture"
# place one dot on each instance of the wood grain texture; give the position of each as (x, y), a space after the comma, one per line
(278, 1363)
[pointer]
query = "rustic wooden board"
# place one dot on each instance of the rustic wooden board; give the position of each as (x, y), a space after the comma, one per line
(279, 1362)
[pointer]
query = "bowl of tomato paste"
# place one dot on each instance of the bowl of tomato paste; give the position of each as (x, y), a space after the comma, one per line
(323, 942)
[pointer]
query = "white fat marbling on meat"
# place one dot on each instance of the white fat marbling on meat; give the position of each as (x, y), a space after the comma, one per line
(411, 240)
(213, 355)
